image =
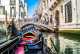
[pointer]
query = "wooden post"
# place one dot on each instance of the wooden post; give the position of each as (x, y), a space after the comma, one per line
(57, 31)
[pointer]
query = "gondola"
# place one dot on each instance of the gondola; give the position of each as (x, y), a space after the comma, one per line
(30, 41)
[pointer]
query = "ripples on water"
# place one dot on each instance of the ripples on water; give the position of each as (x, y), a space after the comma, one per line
(67, 45)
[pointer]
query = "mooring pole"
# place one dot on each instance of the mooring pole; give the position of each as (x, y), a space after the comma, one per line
(57, 31)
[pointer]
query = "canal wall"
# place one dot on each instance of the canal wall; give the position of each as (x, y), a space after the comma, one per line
(76, 31)
(71, 34)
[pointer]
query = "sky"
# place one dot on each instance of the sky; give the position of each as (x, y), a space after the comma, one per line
(32, 6)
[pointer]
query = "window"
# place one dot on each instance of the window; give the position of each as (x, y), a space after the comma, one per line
(0, 1)
(12, 11)
(21, 3)
(12, 2)
(51, 19)
(68, 12)
(22, 14)
(2, 10)
(62, 9)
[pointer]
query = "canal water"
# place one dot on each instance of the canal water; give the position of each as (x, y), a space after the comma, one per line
(66, 45)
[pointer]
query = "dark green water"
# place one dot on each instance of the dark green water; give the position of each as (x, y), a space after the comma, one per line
(69, 43)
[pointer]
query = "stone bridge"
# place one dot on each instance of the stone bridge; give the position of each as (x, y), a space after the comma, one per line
(41, 26)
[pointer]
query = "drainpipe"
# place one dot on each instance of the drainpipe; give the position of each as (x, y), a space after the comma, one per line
(76, 15)
(6, 22)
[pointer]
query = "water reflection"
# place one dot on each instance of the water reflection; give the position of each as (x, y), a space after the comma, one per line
(68, 50)
(67, 45)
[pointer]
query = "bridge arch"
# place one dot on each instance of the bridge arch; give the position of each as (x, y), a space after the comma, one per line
(41, 27)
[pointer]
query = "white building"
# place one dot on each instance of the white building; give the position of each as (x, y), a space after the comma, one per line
(14, 8)
(26, 10)
(10, 9)
(45, 12)
(71, 14)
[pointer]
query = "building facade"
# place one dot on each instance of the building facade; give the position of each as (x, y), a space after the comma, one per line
(45, 13)
(11, 11)
(71, 15)
(66, 11)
